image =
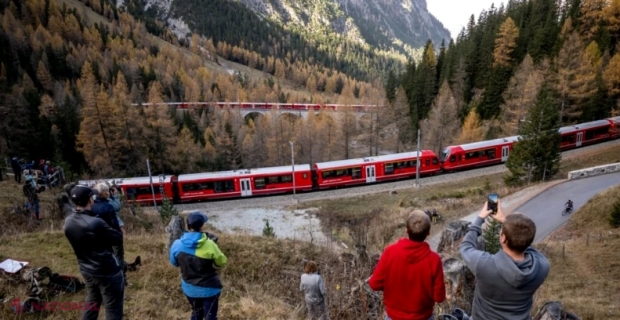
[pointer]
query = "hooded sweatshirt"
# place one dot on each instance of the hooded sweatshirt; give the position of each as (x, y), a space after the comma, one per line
(411, 278)
(504, 287)
(199, 259)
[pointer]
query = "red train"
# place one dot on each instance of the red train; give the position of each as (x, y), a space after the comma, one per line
(263, 105)
(344, 173)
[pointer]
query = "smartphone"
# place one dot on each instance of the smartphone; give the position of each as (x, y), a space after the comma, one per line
(493, 198)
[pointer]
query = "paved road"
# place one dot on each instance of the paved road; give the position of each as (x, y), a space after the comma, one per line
(546, 208)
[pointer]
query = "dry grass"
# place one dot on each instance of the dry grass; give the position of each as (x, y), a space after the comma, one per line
(585, 276)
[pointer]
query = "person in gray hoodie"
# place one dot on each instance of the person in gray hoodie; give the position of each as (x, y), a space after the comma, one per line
(315, 292)
(505, 281)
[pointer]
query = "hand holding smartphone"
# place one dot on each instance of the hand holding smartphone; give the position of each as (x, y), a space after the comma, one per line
(492, 200)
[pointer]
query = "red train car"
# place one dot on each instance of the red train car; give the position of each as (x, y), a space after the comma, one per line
(139, 189)
(584, 134)
(244, 183)
(614, 129)
(368, 170)
(477, 154)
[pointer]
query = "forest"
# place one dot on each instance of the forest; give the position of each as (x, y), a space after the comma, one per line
(482, 85)
(68, 81)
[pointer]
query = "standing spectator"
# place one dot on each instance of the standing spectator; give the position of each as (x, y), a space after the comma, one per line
(104, 210)
(92, 240)
(17, 169)
(31, 190)
(505, 281)
(315, 293)
(114, 200)
(410, 274)
(199, 259)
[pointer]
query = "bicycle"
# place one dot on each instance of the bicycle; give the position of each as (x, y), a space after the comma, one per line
(567, 211)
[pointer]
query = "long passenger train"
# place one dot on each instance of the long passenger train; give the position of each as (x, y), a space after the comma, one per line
(344, 173)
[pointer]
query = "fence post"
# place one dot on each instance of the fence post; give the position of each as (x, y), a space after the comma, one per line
(563, 251)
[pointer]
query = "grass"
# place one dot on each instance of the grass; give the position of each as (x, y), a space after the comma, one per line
(585, 269)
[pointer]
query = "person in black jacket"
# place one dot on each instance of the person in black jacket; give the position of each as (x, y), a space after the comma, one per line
(17, 169)
(92, 240)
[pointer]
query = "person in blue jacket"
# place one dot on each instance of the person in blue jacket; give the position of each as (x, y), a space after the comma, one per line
(199, 259)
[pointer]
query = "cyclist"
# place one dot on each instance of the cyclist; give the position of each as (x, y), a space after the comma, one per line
(569, 205)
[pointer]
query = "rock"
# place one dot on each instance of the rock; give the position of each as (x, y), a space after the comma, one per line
(554, 310)
(455, 230)
(174, 230)
(393, 192)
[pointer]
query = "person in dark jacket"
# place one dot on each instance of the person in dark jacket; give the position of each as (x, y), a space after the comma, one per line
(92, 240)
(102, 208)
(31, 190)
(199, 258)
(505, 281)
(17, 169)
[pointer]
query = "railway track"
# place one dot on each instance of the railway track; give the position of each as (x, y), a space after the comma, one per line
(289, 199)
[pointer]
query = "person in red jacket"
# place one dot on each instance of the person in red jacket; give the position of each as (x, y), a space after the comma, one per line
(410, 274)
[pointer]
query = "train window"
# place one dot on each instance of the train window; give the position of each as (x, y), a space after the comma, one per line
(259, 183)
(428, 161)
(452, 158)
(592, 134)
(356, 173)
(491, 153)
(435, 160)
(569, 139)
(327, 174)
(413, 163)
(223, 186)
(287, 178)
(134, 192)
(389, 168)
(272, 180)
(444, 155)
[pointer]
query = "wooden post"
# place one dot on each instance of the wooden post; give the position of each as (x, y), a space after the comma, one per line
(563, 251)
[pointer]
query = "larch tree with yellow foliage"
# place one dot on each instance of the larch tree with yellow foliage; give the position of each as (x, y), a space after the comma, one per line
(472, 129)
(505, 43)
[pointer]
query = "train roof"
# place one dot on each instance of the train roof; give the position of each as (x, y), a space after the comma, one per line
(485, 144)
(360, 161)
(144, 180)
(581, 126)
(94, 182)
(614, 119)
(243, 172)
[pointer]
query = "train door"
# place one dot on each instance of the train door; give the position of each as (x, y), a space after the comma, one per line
(246, 189)
(579, 139)
(370, 174)
(505, 152)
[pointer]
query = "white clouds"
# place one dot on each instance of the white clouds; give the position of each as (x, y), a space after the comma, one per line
(454, 14)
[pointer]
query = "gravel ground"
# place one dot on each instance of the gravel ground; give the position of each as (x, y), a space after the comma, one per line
(285, 200)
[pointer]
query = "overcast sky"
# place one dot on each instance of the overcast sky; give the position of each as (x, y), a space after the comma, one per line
(454, 14)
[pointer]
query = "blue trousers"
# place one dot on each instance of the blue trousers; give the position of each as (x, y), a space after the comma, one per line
(204, 308)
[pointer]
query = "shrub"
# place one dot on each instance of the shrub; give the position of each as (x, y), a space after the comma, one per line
(268, 230)
(491, 237)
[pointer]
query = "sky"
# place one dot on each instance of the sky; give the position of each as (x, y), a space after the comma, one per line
(454, 14)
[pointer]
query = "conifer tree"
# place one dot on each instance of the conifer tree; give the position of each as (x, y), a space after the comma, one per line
(505, 43)
(472, 130)
(442, 126)
(536, 155)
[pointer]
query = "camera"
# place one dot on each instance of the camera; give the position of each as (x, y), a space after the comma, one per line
(492, 202)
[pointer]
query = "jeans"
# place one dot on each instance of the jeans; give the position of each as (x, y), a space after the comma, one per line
(35, 208)
(200, 305)
(110, 291)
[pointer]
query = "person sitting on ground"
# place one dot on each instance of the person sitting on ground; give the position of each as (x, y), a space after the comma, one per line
(410, 274)
(315, 293)
(92, 240)
(199, 259)
(505, 281)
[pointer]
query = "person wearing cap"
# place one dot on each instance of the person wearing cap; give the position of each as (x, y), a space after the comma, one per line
(92, 240)
(199, 259)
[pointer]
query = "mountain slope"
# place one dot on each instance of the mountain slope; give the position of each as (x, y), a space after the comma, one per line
(361, 38)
